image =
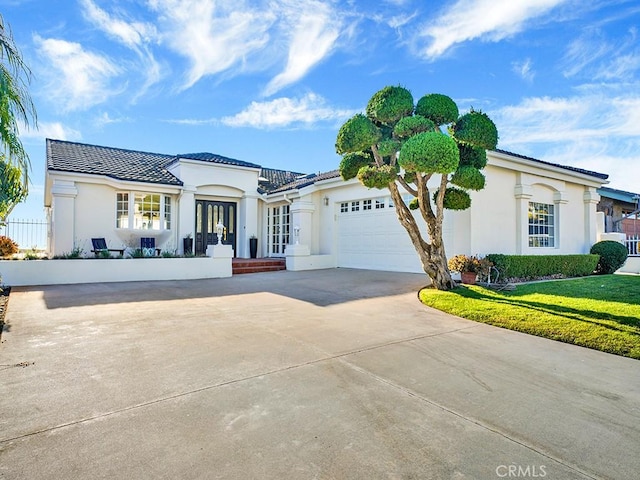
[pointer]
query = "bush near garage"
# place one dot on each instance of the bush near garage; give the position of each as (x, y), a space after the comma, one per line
(612, 256)
(538, 267)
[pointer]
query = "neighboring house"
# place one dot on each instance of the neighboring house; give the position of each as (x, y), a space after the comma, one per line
(621, 210)
(317, 220)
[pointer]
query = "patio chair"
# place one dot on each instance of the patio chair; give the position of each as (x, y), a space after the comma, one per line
(100, 245)
(148, 246)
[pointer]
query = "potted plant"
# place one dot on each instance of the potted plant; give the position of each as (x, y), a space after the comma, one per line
(253, 246)
(469, 267)
(187, 244)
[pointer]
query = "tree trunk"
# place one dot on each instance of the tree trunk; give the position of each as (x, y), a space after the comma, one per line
(432, 254)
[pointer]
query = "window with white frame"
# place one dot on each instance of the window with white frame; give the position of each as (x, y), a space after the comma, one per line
(380, 203)
(355, 206)
(167, 212)
(344, 207)
(542, 225)
(122, 210)
(143, 211)
(366, 205)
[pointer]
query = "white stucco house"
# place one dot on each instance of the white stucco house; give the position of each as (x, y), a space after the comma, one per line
(317, 221)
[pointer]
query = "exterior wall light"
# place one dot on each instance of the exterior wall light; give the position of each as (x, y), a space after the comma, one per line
(296, 234)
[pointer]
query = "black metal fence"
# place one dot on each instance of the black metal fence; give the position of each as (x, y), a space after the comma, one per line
(28, 234)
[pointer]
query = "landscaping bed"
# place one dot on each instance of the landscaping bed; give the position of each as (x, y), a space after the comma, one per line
(600, 312)
(4, 302)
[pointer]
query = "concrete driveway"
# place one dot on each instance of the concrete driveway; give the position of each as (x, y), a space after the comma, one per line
(334, 374)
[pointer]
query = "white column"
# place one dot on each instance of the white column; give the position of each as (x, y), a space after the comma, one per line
(590, 199)
(523, 194)
(187, 215)
(63, 216)
(247, 225)
(302, 217)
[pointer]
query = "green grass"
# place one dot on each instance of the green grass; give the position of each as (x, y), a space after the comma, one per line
(599, 312)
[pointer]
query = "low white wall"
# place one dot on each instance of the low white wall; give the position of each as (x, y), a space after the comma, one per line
(612, 237)
(57, 272)
(632, 265)
(310, 262)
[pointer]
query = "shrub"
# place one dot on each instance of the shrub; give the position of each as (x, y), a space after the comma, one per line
(390, 104)
(352, 162)
(612, 256)
(7, 246)
(356, 135)
(532, 267)
(472, 156)
(463, 263)
(454, 198)
(438, 108)
(409, 126)
(74, 254)
(477, 129)
(430, 152)
(377, 177)
(468, 177)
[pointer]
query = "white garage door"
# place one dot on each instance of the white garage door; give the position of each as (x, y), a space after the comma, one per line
(370, 237)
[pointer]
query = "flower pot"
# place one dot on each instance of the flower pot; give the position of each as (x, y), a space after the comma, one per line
(187, 245)
(253, 247)
(469, 278)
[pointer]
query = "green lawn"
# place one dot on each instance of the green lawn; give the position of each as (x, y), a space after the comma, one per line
(600, 312)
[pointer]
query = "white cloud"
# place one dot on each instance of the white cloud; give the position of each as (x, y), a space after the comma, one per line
(55, 130)
(78, 79)
(214, 35)
(314, 28)
(131, 34)
(583, 51)
(134, 35)
(194, 121)
(596, 129)
(284, 112)
(491, 20)
(594, 56)
(524, 69)
(105, 119)
(401, 20)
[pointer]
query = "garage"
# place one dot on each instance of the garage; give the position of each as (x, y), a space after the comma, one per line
(370, 237)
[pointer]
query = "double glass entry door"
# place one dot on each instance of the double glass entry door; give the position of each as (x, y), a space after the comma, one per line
(208, 214)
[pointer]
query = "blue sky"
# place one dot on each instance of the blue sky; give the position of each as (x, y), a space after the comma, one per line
(271, 81)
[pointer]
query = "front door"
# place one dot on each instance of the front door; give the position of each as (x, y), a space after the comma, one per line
(278, 222)
(208, 214)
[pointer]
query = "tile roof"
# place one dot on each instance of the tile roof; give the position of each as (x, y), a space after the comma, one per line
(272, 179)
(602, 176)
(307, 180)
(117, 163)
(213, 158)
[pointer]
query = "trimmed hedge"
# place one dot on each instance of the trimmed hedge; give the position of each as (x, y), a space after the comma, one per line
(531, 267)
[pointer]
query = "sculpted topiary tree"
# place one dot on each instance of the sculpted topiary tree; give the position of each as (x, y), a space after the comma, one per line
(401, 145)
